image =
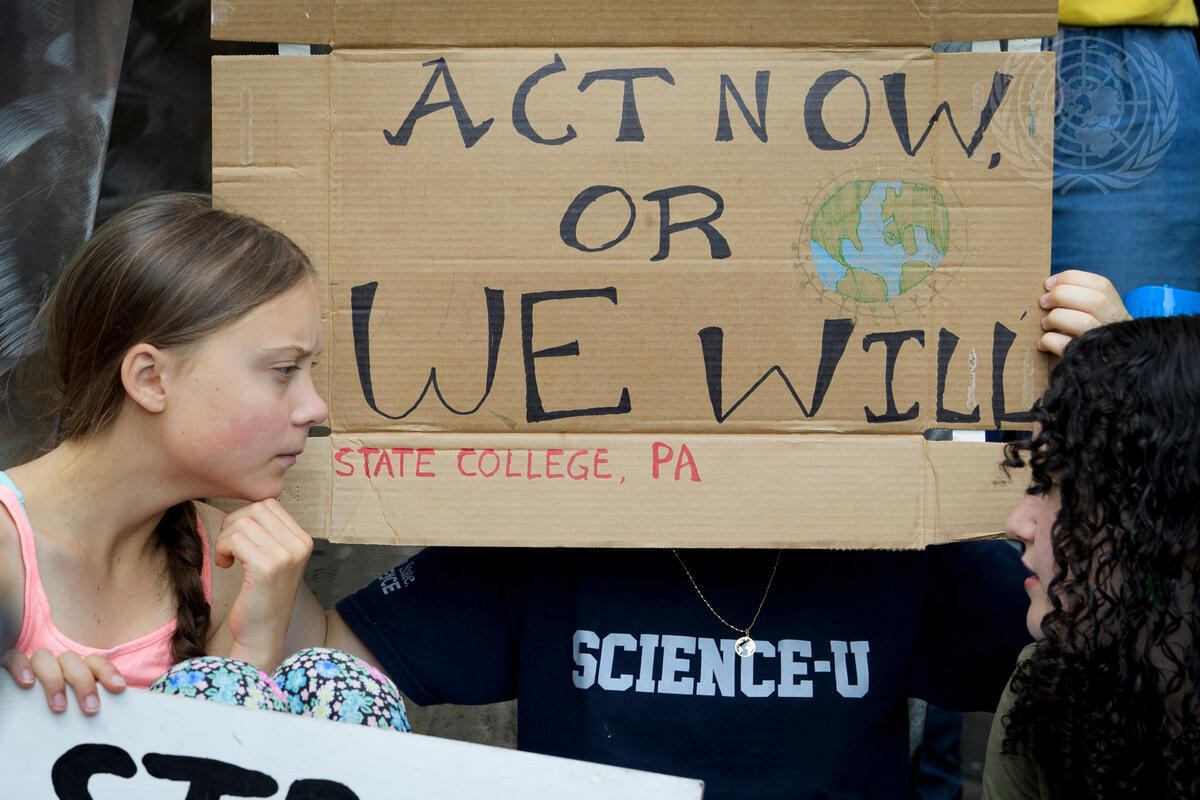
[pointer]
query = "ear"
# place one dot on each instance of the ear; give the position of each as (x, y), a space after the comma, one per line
(142, 376)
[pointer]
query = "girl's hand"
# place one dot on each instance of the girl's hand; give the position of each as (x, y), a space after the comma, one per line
(272, 550)
(69, 668)
(1077, 301)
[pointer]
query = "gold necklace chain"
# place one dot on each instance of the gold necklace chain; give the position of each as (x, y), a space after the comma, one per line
(746, 630)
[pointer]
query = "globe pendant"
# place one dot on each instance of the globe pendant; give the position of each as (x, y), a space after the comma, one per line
(744, 647)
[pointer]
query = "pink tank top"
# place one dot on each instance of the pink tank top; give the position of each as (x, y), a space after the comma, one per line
(141, 661)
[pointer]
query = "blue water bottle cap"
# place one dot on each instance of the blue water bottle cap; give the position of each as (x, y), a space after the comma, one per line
(1161, 301)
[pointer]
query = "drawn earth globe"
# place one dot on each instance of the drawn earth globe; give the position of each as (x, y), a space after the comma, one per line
(872, 241)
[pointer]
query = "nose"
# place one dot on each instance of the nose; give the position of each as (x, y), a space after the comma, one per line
(312, 409)
(1020, 523)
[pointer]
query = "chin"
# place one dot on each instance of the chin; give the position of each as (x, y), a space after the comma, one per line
(264, 490)
(1034, 623)
(268, 494)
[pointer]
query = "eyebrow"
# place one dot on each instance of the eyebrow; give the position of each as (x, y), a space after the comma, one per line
(291, 349)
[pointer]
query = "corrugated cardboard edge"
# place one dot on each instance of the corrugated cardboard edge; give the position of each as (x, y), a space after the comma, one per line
(626, 23)
(297, 21)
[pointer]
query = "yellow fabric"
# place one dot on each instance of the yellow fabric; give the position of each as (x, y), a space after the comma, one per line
(1103, 13)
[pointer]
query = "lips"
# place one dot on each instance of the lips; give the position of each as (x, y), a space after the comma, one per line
(290, 457)
(1031, 579)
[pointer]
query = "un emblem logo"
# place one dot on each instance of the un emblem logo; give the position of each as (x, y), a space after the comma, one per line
(1115, 114)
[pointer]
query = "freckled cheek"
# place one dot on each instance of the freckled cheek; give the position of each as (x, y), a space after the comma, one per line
(243, 429)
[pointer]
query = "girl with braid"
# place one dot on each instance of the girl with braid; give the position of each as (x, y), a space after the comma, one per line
(182, 340)
(1105, 705)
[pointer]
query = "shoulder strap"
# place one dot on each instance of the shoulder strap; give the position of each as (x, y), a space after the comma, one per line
(7, 482)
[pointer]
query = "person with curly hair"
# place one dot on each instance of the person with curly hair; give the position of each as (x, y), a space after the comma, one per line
(1106, 703)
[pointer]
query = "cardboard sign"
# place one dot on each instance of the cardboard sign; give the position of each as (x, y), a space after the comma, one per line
(587, 296)
(627, 23)
(145, 745)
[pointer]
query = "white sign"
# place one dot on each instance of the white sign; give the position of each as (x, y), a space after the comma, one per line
(144, 745)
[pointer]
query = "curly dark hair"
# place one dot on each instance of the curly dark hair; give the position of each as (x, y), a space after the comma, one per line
(1109, 704)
